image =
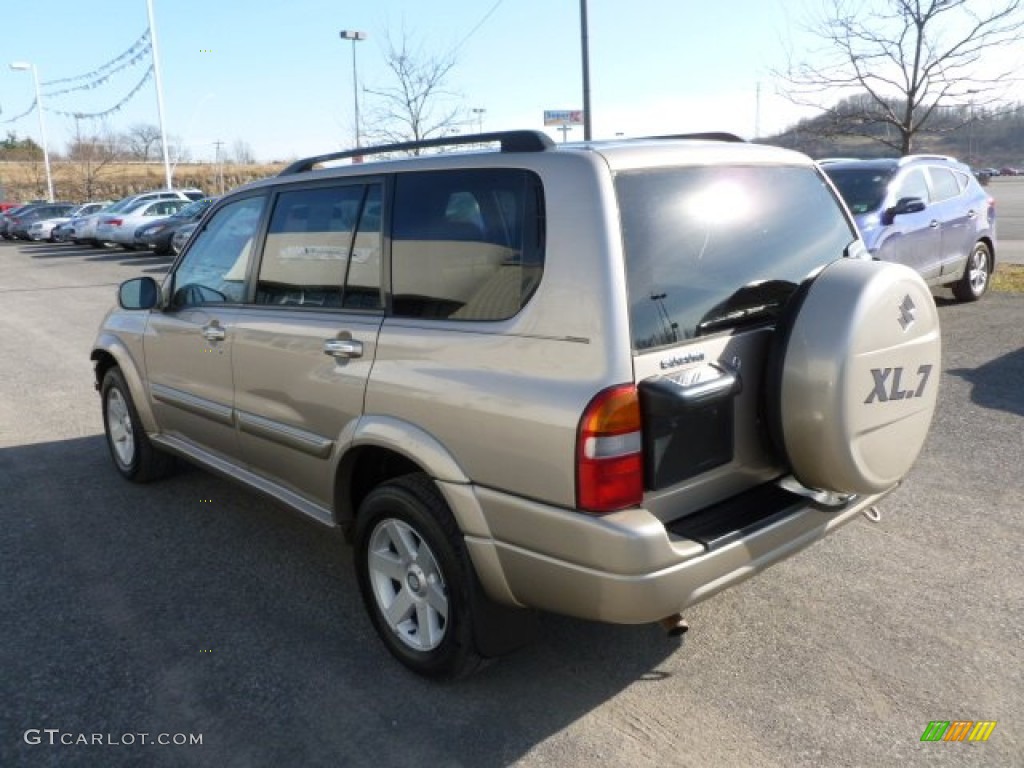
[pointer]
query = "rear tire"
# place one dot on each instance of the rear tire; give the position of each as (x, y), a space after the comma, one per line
(977, 274)
(135, 457)
(415, 577)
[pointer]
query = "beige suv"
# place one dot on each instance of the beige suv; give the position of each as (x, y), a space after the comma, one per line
(607, 380)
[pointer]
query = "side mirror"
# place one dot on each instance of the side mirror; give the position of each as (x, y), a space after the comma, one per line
(138, 293)
(903, 205)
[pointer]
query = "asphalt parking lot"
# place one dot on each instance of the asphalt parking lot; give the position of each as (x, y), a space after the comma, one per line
(193, 607)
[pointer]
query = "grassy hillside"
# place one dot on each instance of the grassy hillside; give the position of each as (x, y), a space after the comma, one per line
(26, 180)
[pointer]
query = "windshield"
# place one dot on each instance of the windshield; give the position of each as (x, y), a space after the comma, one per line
(863, 189)
(710, 249)
(193, 209)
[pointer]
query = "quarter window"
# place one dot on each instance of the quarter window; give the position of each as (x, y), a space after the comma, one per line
(214, 267)
(466, 245)
(323, 249)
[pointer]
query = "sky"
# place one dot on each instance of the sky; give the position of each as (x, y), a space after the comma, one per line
(276, 75)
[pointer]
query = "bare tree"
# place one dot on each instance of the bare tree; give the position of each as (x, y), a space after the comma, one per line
(141, 139)
(417, 105)
(903, 59)
(241, 152)
(93, 155)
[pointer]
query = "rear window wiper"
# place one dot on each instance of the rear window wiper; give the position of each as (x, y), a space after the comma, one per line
(738, 317)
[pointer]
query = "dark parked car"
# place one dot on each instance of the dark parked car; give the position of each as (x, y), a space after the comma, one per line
(181, 237)
(20, 221)
(5, 220)
(926, 211)
(158, 234)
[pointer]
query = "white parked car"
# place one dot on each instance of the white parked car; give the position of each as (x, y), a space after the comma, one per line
(43, 230)
(119, 228)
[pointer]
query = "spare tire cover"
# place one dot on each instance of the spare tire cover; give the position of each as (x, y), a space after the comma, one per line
(856, 369)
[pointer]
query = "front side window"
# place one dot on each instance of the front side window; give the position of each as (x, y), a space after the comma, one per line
(323, 249)
(467, 244)
(213, 269)
(712, 249)
(913, 184)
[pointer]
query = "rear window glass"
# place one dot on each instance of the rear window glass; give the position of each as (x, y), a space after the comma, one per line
(718, 248)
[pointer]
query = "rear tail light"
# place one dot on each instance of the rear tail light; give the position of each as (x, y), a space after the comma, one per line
(115, 222)
(991, 209)
(609, 461)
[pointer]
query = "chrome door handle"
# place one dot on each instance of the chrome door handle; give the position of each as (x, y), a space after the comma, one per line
(214, 332)
(345, 348)
(934, 224)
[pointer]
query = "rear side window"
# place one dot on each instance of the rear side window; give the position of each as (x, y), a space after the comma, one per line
(712, 249)
(323, 249)
(466, 245)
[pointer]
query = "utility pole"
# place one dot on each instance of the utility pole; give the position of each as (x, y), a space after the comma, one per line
(757, 112)
(220, 167)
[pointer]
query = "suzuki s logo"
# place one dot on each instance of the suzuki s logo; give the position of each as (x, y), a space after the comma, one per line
(907, 308)
(888, 384)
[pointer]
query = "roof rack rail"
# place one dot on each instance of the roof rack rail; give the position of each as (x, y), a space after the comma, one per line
(511, 141)
(909, 158)
(708, 136)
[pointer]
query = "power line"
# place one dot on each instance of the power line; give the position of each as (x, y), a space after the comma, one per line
(479, 24)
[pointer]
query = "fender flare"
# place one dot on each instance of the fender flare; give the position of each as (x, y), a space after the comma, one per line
(110, 344)
(405, 439)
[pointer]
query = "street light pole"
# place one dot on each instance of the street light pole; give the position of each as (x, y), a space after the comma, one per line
(970, 127)
(479, 112)
(585, 46)
(355, 36)
(24, 65)
(154, 50)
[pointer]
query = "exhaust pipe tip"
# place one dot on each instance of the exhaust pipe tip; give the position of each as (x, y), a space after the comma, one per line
(674, 625)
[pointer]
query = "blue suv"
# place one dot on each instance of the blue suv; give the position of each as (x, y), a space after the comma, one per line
(925, 211)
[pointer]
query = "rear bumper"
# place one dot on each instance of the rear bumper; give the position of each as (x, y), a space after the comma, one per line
(628, 567)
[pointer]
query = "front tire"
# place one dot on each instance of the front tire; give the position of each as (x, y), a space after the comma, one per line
(977, 274)
(135, 457)
(415, 577)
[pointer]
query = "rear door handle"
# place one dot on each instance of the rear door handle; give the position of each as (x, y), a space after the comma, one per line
(213, 332)
(343, 348)
(934, 224)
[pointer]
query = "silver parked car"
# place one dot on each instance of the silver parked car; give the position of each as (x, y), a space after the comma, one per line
(606, 380)
(45, 229)
(85, 227)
